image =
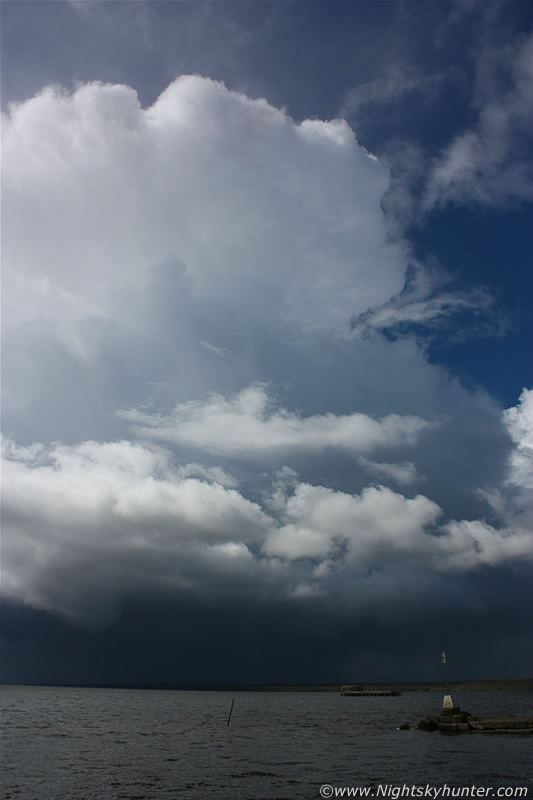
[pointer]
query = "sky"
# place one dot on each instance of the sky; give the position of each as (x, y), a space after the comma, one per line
(267, 409)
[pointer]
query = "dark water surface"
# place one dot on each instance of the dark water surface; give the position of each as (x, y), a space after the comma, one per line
(106, 744)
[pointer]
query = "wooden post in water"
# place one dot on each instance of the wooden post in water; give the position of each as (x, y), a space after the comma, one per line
(230, 712)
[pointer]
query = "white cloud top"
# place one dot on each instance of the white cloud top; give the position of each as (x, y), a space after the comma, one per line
(519, 421)
(251, 208)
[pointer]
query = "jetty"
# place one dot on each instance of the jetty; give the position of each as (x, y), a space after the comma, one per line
(359, 691)
(453, 720)
(466, 723)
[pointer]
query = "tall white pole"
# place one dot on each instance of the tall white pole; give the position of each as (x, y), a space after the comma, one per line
(447, 703)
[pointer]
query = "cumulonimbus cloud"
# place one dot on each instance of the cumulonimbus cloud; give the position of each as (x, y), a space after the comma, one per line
(136, 242)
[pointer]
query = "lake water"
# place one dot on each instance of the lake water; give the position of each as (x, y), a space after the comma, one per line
(106, 744)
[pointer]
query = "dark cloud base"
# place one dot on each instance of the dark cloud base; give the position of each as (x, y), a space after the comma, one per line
(178, 640)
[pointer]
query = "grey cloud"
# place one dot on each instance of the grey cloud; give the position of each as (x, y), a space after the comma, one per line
(177, 639)
(85, 525)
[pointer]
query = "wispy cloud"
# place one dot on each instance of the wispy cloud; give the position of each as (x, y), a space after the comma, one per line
(218, 351)
(398, 80)
(490, 163)
(404, 473)
(425, 303)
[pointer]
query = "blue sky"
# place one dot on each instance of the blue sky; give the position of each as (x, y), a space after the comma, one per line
(266, 339)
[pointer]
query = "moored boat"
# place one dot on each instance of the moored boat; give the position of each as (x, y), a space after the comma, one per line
(359, 691)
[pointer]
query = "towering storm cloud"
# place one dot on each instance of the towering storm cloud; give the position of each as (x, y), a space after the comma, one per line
(218, 388)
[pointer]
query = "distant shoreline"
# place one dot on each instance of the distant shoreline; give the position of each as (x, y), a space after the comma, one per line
(502, 684)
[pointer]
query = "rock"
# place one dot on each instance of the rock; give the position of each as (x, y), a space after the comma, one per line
(450, 712)
(404, 727)
(428, 724)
